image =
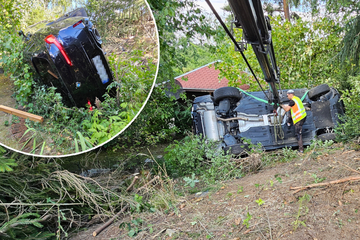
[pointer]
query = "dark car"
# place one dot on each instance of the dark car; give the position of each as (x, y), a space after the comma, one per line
(67, 54)
(232, 116)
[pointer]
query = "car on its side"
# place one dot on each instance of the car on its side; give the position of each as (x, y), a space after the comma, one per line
(67, 54)
(231, 116)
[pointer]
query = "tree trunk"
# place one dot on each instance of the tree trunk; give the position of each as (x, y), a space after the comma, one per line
(286, 10)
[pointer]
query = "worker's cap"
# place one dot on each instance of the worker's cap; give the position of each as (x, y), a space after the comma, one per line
(290, 91)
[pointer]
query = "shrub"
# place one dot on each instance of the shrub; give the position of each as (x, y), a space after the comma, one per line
(195, 155)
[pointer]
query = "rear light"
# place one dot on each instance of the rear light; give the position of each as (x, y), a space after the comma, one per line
(51, 39)
(76, 24)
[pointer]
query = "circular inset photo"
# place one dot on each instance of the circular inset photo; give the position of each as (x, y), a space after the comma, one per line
(73, 76)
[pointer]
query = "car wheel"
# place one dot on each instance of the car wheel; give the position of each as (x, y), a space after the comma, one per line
(226, 92)
(318, 91)
(327, 136)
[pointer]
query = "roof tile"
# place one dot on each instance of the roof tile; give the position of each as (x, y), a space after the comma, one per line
(205, 77)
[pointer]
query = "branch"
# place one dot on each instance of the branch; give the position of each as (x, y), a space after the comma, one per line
(298, 189)
(101, 228)
(151, 181)
(132, 184)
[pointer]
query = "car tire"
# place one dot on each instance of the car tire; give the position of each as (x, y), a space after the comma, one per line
(327, 136)
(318, 91)
(226, 92)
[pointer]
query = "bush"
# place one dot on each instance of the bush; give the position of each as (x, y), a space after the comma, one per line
(195, 155)
(349, 127)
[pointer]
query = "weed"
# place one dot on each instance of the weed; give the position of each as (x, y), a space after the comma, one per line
(288, 154)
(317, 179)
(191, 181)
(303, 210)
(278, 179)
(229, 194)
(260, 201)
(271, 183)
(240, 189)
(340, 223)
(247, 219)
(135, 227)
(141, 205)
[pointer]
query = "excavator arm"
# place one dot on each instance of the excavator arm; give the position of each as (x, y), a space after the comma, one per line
(256, 27)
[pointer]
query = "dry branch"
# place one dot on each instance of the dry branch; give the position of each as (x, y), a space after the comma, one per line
(352, 178)
(132, 184)
(349, 168)
(110, 221)
(151, 181)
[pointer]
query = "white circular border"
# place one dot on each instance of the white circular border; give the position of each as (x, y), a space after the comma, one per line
(91, 149)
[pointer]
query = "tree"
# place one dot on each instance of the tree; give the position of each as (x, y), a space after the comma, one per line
(303, 51)
(349, 12)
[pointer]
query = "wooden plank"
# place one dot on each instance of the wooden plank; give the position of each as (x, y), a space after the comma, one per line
(21, 114)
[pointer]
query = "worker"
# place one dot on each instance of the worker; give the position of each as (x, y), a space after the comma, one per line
(298, 116)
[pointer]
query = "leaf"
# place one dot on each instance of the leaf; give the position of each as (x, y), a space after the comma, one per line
(76, 145)
(42, 148)
(82, 141)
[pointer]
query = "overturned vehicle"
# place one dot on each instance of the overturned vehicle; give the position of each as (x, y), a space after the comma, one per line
(232, 116)
(67, 54)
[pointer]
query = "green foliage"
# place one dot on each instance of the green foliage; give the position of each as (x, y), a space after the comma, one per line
(172, 17)
(161, 119)
(186, 156)
(302, 211)
(191, 181)
(247, 219)
(260, 201)
(303, 51)
(12, 228)
(10, 16)
(39, 187)
(109, 15)
(348, 129)
(133, 84)
(6, 163)
(192, 55)
(135, 226)
(195, 155)
(317, 179)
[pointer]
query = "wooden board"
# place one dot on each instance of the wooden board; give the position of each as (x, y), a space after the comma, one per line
(21, 114)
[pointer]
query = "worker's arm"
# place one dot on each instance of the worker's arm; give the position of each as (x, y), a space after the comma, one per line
(286, 107)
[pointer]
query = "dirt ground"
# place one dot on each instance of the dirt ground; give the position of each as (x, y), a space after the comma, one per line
(261, 205)
(6, 129)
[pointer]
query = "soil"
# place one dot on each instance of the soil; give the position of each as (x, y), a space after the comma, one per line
(8, 131)
(260, 205)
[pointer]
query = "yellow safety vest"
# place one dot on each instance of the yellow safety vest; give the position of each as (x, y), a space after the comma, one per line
(297, 111)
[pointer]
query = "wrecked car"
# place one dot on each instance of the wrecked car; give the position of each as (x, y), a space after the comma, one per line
(67, 54)
(233, 115)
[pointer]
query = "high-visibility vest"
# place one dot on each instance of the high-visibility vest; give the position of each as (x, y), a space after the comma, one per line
(297, 111)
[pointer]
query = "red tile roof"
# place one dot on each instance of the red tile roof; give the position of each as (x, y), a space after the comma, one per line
(204, 78)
